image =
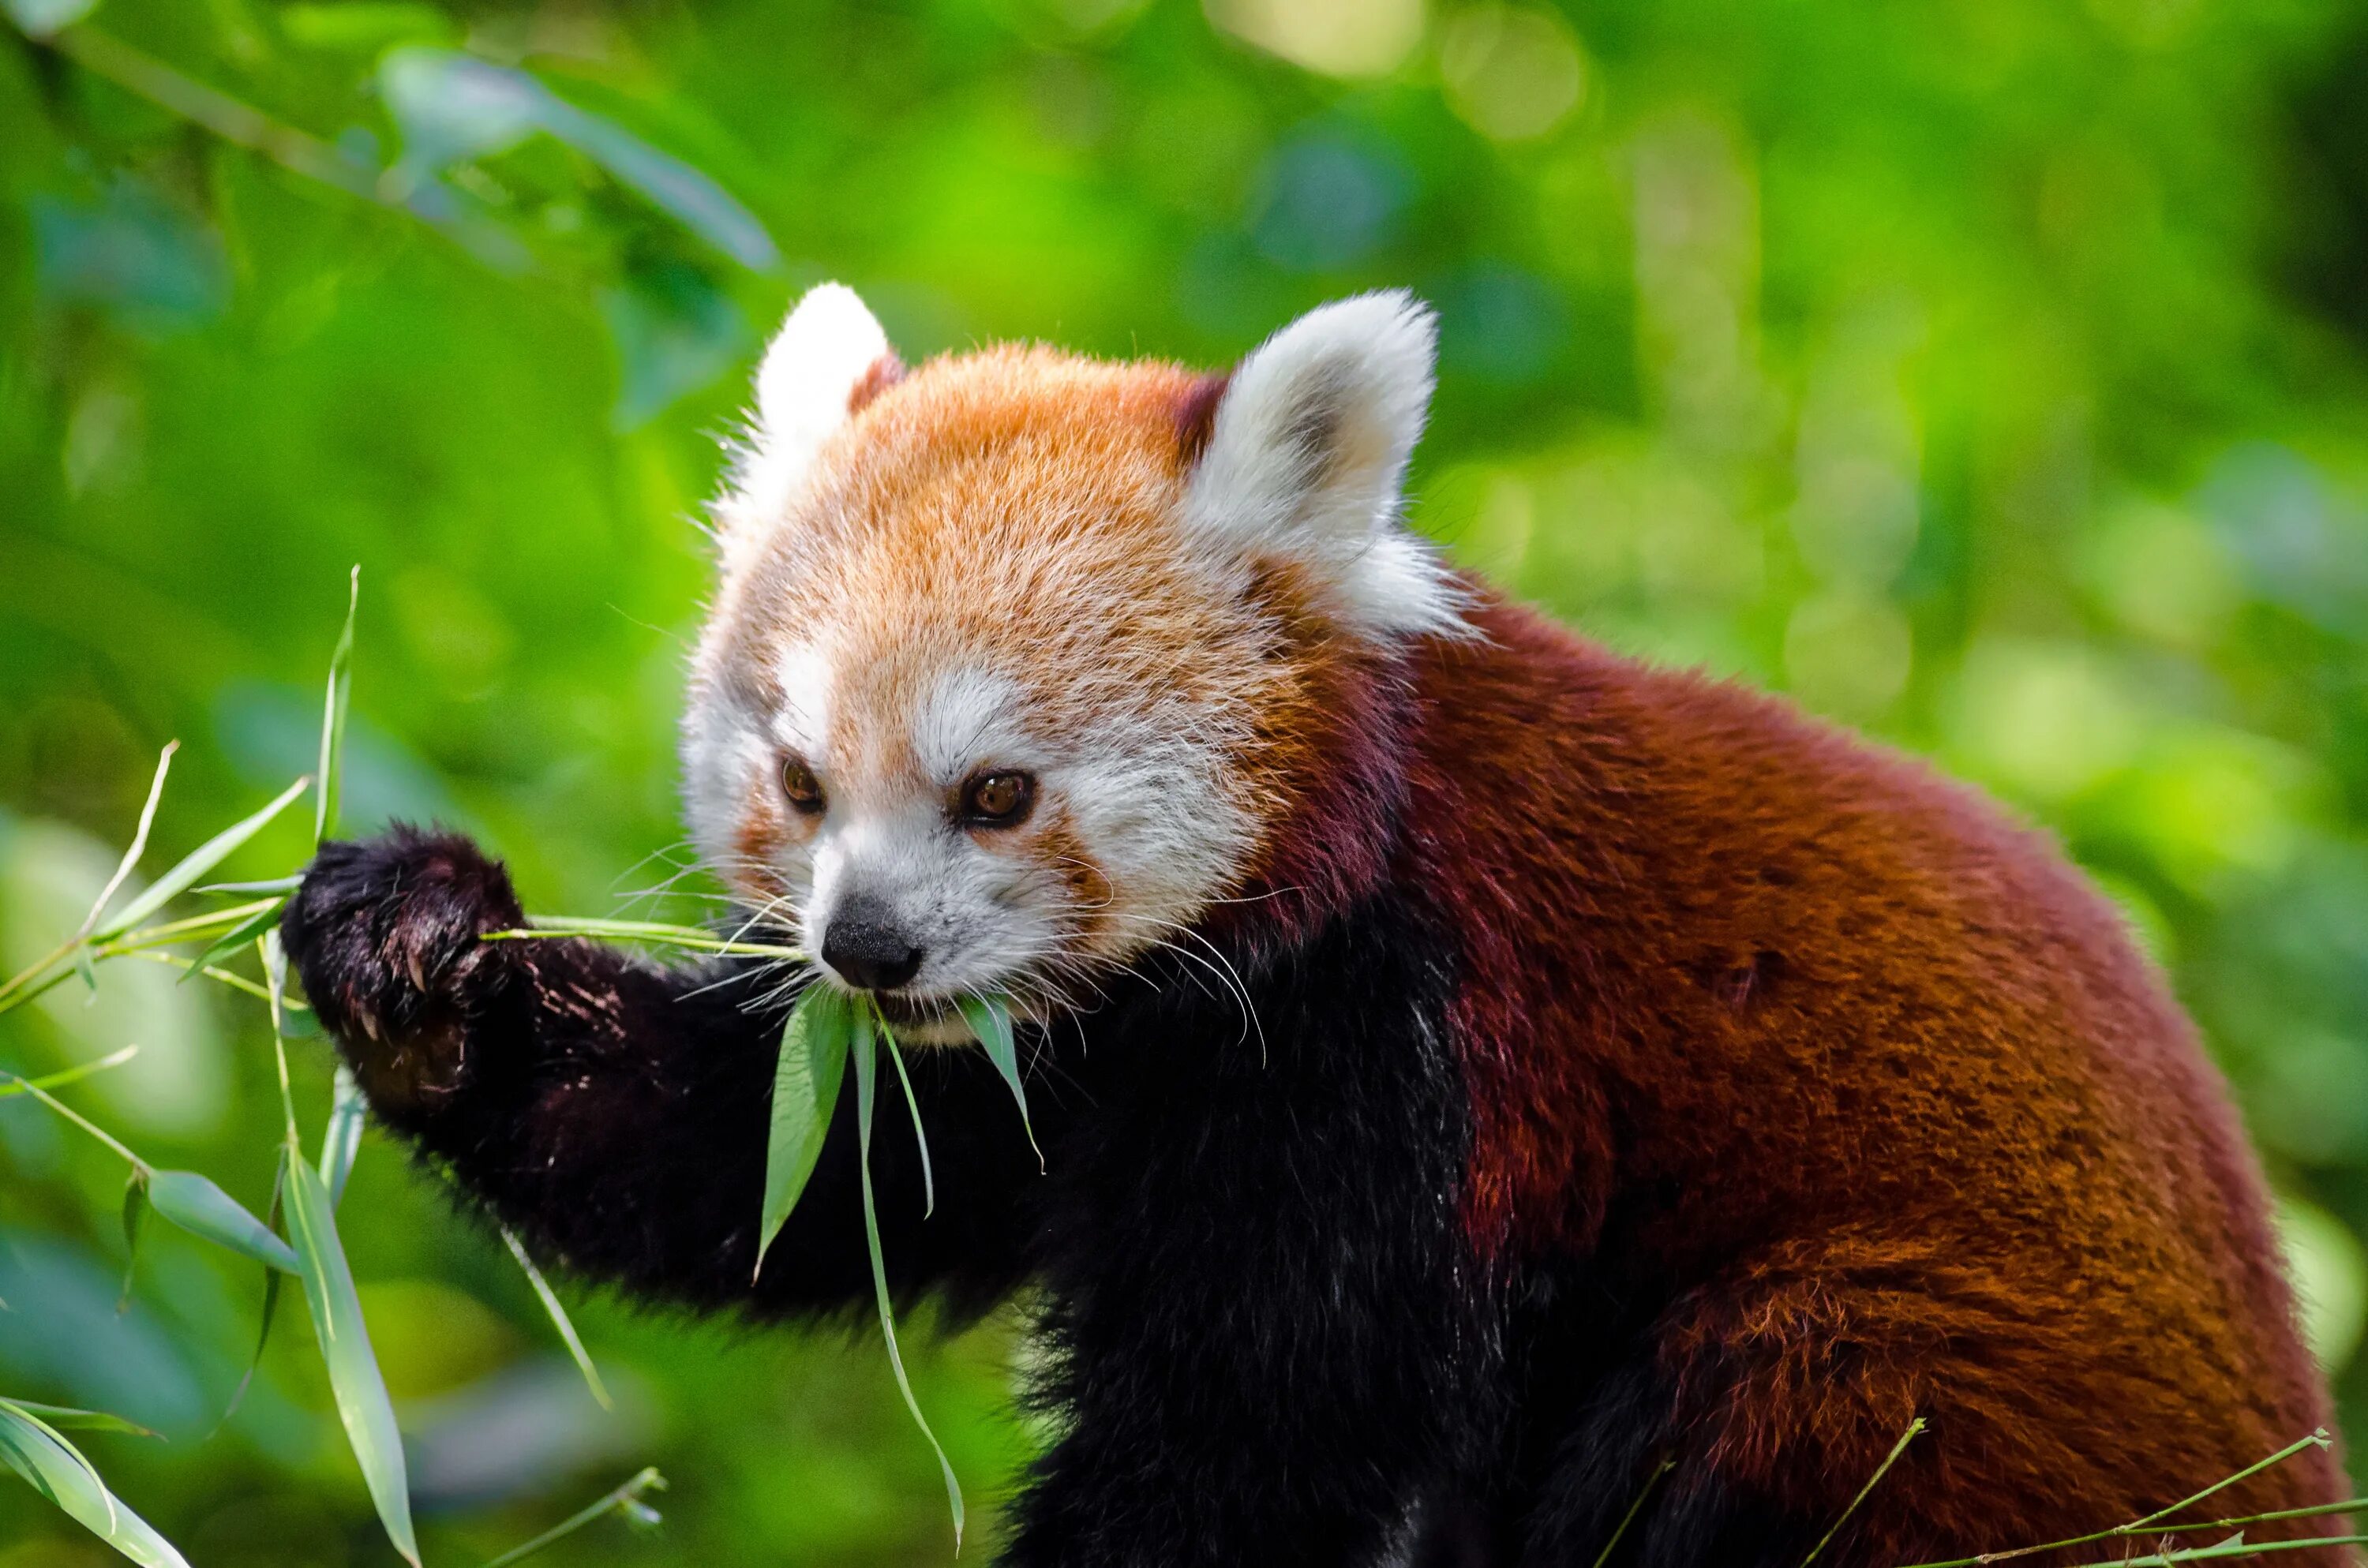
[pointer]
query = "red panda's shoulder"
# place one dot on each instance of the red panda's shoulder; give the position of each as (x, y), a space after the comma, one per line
(1681, 893)
(1531, 741)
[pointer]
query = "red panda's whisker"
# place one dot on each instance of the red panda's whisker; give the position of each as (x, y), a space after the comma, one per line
(1234, 978)
(665, 853)
(1228, 980)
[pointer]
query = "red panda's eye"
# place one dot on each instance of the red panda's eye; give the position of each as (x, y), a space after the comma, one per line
(799, 783)
(997, 799)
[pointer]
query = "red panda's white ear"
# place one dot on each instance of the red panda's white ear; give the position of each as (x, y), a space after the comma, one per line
(1307, 453)
(828, 358)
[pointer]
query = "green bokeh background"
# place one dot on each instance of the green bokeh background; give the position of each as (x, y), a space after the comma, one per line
(1986, 373)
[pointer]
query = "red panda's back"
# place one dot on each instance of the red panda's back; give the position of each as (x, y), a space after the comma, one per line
(1868, 1079)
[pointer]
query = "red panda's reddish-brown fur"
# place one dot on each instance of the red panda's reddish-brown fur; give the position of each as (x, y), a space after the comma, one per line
(1927, 1132)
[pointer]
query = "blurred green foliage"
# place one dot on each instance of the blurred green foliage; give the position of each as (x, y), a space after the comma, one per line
(1988, 374)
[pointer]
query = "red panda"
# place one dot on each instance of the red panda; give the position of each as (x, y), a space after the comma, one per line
(1498, 1100)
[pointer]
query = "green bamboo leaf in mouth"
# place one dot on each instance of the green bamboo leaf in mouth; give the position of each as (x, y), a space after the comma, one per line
(826, 1030)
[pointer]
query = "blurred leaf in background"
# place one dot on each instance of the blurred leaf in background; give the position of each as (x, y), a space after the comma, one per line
(1990, 374)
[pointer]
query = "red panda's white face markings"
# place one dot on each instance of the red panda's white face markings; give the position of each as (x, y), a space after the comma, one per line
(1012, 628)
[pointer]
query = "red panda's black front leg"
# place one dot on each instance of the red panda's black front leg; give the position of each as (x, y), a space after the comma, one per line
(1264, 1325)
(1254, 1416)
(614, 1113)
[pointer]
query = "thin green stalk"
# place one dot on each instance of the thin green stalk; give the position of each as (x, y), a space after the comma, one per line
(128, 941)
(30, 984)
(2348, 1505)
(1634, 1508)
(26, 998)
(2139, 1527)
(2316, 1439)
(275, 982)
(40, 967)
(27, 1087)
(2228, 1549)
(75, 1075)
(623, 1500)
(211, 971)
(665, 936)
(183, 929)
(604, 925)
(863, 1053)
(1881, 1469)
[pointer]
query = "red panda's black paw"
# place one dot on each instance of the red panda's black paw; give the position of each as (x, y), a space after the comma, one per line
(384, 937)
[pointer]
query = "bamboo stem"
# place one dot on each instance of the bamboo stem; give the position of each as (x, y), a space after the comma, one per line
(26, 1086)
(2152, 1521)
(1897, 1448)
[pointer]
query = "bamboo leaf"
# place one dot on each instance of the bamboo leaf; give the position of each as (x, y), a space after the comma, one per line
(66, 1418)
(694, 201)
(288, 883)
(43, 18)
(237, 937)
(341, 1141)
(57, 1470)
(452, 107)
(198, 1206)
(198, 861)
(805, 1088)
(332, 718)
(135, 1205)
(990, 1018)
(913, 1104)
(271, 1286)
(559, 1320)
(867, 1073)
(139, 840)
(271, 1281)
(354, 1378)
(89, 1472)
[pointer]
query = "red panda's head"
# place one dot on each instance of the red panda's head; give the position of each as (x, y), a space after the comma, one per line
(1019, 661)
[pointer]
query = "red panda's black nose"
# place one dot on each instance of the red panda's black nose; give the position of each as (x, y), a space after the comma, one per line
(866, 948)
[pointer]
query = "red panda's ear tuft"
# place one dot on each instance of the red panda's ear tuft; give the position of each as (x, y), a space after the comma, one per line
(1196, 417)
(829, 360)
(1305, 450)
(885, 373)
